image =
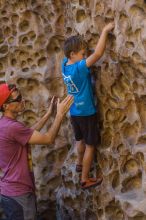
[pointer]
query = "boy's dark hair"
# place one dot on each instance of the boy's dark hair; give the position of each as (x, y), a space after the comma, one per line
(73, 44)
(10, 86)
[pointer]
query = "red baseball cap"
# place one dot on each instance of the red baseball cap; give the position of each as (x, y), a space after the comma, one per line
(5, 92)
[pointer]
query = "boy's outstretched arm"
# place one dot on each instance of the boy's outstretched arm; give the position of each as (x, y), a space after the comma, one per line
(100, 47)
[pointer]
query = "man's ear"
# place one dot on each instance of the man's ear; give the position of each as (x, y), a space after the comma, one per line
(5, 106)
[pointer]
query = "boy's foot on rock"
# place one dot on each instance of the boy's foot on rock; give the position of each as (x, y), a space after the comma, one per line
(91, 182)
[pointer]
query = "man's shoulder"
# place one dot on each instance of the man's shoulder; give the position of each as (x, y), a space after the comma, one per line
(11, 122)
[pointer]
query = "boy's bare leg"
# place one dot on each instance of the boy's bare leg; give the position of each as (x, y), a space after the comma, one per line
(87, 161)
(80, 145)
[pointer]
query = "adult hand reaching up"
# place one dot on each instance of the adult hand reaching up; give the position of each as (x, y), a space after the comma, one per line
(63, 106)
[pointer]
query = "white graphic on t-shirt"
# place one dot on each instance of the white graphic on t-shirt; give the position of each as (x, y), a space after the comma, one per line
(70, 84)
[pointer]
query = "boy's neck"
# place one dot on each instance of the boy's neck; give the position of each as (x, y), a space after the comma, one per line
(70, 61)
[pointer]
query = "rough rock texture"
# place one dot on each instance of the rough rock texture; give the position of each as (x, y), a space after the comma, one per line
(31, 36)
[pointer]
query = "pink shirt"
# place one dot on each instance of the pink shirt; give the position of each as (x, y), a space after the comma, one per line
(17, 177)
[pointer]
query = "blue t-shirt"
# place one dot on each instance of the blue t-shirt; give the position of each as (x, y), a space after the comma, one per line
(77, 78)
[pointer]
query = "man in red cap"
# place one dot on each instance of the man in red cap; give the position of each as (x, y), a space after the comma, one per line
(17, 182)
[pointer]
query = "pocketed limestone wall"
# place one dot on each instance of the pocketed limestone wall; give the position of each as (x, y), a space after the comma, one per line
(32, 33)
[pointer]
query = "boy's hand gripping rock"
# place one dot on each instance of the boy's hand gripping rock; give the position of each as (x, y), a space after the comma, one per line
(109, 27)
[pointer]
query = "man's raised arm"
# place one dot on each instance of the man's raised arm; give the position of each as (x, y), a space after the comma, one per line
(49, 136)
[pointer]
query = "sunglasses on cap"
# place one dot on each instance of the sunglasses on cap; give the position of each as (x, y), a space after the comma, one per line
(18, 99)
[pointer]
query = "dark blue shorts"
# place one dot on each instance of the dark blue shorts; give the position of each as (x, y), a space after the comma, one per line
(86, 128)
(19, 207)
